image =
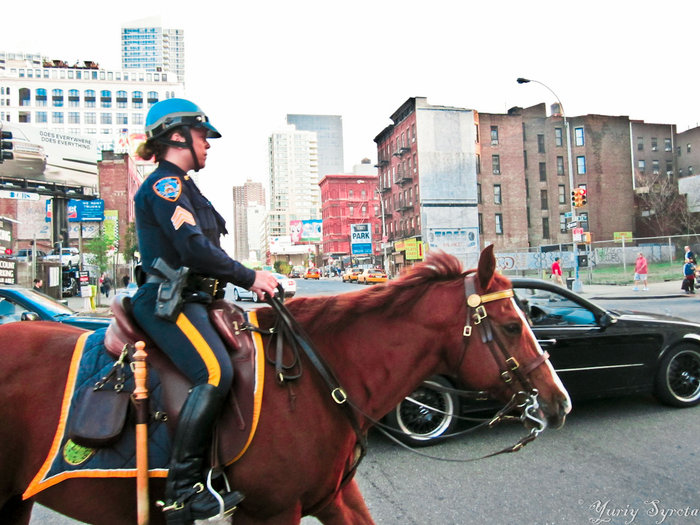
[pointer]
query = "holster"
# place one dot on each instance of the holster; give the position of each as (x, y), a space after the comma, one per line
(169, 300)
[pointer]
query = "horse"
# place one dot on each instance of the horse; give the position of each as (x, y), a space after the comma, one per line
(380, 343)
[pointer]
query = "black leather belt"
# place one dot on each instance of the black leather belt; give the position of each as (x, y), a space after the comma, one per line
(196, 283)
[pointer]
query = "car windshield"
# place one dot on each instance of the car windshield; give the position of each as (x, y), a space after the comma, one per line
(47, 303)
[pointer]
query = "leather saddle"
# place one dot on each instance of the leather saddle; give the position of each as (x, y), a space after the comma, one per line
(239, 416)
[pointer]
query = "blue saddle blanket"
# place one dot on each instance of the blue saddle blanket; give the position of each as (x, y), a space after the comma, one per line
(66, 459)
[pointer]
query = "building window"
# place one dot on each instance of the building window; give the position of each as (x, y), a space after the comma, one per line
(494, 135)
(122, 100)
(106, 98)
(558, 137)
(40, 97)
(667, 145)
(562, 223)
(560, 166)
(543, 172)
(654, 144)
(655, 167)
(89, 98)
(561, 191)
(497, 198)
(578, 137)
(499, 224)
(545, 227)
(640, 143)
(690, 170)
(687, 147)
(669, 167)
(57, 98)
(25, 97)
(642, 166)
(496, 164)
(90, 118)
(543, 200)
(478, 193)
(476, 132)
(137, 99)
(106, 119)
(540, 143)
(41, 117)
(57, 117)
(74, 98)
(122, 119)
(478, 164)
(73, 117)
(481, 224)
(581, 165)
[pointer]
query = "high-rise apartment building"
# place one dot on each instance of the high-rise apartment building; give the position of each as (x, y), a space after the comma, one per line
(294, 191)
(147, 45)
(251, 193)
(329, 136)
(81, 99)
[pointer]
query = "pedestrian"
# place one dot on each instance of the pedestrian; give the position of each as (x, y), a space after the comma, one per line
(105, 284)
(125, 280)
(690, 255)
(688, 284)
(640, 272)
(556, 272)
(178, 225)
(38, 283)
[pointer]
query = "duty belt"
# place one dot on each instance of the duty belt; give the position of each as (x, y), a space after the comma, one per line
(196, 283)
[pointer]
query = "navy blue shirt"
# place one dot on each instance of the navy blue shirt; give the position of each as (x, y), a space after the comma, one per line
(175, 222)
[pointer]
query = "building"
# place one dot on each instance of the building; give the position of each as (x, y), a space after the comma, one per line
(427, 160)
(350, 198)
(82, 99)
(149, 46)
(250, 193)
(329, 136)
(687, 149)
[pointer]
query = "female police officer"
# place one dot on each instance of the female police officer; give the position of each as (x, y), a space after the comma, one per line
(178, 225)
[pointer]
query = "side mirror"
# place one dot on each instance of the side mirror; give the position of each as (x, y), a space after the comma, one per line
(29, 316)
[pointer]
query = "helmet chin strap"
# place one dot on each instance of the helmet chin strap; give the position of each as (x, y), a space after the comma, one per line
(187, 135)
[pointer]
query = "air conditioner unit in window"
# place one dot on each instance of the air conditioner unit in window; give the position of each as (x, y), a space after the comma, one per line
(496, 172)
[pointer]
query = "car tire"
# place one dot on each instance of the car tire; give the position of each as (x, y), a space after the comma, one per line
(678, 377)
(419, 426)
(236, 295)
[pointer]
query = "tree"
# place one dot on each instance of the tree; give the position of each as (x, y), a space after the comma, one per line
(99, 246)
(130, 244)
(662, 209)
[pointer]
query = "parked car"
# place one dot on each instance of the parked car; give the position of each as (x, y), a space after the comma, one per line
(25, 254)
(351, 275)
(22, 304)
(295, 273)
(289, 286)
(69, 256)
(312, 273)
(370, 276)
(597, 352)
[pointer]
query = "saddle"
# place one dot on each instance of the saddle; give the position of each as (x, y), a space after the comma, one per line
(239, 414)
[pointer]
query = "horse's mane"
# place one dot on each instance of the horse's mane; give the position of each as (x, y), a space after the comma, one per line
(392, 298)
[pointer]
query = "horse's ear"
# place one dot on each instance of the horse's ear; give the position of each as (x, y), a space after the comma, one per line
(487, 267)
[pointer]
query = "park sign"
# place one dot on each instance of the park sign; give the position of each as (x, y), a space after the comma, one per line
(361, 239)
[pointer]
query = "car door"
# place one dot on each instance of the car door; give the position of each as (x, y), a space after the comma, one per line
(592, 357)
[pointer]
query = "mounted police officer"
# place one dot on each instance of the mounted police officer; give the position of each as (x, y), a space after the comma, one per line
(178, 234)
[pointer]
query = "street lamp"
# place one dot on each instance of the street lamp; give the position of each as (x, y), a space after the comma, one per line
(577, 287)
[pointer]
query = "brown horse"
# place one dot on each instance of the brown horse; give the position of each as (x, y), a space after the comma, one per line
(381, 343)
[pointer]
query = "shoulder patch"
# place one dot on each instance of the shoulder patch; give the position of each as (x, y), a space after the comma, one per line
(168, 188)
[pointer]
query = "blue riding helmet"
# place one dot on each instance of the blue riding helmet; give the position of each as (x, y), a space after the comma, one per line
(176, 112)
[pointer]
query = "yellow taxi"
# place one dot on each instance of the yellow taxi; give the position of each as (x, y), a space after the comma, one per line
(351, 274)
(372, 275)
(312, 273)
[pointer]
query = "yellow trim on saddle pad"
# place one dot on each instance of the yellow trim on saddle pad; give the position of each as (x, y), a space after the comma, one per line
(259, 383)
(79, 454)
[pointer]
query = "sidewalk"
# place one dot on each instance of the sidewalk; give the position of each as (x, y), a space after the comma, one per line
(661, 290)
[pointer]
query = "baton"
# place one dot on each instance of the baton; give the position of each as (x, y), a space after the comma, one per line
(140, 400)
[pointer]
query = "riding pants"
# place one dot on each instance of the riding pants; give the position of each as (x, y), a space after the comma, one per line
(191, 342)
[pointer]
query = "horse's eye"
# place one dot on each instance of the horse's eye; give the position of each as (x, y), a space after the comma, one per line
(512, 328)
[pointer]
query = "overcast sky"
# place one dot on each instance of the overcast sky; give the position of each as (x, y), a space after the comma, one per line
(251, 63)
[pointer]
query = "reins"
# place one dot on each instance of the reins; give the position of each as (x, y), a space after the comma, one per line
(525, 401)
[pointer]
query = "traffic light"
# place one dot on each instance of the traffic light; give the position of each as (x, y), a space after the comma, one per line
(578, 197)
(574, 197)
(583, 193)
(5, 147)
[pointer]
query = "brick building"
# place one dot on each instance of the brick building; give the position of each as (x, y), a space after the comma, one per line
(119, 181)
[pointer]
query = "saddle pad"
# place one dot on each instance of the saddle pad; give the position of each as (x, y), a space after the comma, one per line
(90, 362)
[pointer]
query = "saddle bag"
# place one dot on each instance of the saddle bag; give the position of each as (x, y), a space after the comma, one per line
(100, 410)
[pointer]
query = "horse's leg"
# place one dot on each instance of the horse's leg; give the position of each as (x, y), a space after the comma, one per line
(348, 507)
(15, 511)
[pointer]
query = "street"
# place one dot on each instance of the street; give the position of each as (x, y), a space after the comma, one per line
(617, 461)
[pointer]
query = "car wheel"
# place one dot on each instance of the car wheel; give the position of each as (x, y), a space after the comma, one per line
(678, 377)
(420, 426)
(236, 295)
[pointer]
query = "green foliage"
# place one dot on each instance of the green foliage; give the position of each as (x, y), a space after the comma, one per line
(98, 246)
(130, 244)
(283, 267)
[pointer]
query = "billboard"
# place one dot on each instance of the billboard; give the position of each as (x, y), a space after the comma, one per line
(44, 155)
(310, 231)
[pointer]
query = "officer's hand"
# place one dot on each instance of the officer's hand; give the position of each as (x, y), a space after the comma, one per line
(264, 283)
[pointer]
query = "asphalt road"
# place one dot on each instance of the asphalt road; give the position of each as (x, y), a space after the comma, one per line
(617, 461)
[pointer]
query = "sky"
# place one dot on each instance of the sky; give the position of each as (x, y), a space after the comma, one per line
(251, 63)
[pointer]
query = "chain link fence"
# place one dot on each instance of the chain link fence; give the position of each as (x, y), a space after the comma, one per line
(602, 262)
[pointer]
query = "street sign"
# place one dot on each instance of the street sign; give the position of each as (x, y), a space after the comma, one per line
(571, 225)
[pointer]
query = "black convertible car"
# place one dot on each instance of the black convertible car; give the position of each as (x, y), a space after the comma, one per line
(597, 352)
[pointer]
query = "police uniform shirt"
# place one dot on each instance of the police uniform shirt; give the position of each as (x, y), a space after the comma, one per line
(175, 222)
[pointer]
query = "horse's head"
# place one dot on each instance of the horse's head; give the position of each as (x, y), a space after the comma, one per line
(500, 353)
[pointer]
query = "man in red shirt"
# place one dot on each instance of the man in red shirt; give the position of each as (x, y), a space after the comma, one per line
(556, 271)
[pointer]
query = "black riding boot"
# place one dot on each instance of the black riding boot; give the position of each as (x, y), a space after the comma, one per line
(186, 495)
